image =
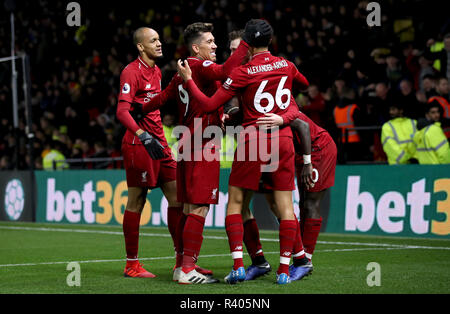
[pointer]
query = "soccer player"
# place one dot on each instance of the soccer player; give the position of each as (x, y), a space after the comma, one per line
(197, 178)
(265, 85)
(323, 160)
(147, 158)
(260, 266)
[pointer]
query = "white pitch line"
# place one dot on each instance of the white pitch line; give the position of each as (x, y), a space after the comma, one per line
(202, 256)
(51, 229)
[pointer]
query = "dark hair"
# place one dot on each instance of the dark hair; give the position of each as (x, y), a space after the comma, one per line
(235, 34)
(433, 104)
(194, 31)
(261, 31)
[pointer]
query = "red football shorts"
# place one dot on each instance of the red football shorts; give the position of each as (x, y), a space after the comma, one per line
(198, 182)
(143, 171)
(279, 176)
(324, 161)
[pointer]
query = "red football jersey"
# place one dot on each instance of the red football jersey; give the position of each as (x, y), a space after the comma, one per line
(319, 136)
(207, 76)
(265, 84)
(139, 83)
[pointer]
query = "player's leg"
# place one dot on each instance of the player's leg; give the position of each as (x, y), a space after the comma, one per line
(192, 243)
(235, 232)
(175, 219)
(252, 242)
(312, 221)
(287, 232)
(131, 219)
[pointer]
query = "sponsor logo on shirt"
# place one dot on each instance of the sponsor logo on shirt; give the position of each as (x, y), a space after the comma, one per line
(148, 86)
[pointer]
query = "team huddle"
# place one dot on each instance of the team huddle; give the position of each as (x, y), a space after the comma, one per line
(262, 85)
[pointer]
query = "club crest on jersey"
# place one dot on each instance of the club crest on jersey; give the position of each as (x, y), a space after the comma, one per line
(126, 88)
(207, 63)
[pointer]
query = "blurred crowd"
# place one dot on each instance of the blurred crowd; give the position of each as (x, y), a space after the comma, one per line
(75, 70)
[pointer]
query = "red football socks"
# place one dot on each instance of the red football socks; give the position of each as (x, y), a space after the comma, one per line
(298, 252)
(131, 233)
(174, 215)
(235, 233)
(311, 230)
(179, 246)
(192, 241)
(288, 229)
(251, 238)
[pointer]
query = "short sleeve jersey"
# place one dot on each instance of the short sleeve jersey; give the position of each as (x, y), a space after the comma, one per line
(139, 82)
(265, 85)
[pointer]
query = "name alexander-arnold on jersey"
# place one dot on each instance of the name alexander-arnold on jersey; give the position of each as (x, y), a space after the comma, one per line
(267, 67)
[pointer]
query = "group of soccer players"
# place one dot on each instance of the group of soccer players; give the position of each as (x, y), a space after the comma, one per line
(262, 85)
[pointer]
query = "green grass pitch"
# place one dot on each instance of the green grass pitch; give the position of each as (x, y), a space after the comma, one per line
(34, 259)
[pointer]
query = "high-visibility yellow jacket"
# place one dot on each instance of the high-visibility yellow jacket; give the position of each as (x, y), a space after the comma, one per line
(227, 150)
(432, 146)
(58, 157)
(171, 140)
(397, 139)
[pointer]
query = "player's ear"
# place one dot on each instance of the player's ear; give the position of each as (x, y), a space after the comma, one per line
(140, 47)
(195, 48)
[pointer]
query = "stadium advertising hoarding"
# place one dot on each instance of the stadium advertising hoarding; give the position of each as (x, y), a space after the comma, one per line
(100, 197)
(16, 195)
(406, 200)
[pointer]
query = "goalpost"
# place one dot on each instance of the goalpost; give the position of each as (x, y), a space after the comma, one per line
(10, 6)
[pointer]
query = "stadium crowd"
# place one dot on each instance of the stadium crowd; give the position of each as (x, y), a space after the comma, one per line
(75, 70)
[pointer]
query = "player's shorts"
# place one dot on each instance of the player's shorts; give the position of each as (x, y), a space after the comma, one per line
(247, 172)
(324, 161)
(198, 182)
(143, 171)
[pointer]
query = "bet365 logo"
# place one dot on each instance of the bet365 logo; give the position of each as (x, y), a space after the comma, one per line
(420, 212)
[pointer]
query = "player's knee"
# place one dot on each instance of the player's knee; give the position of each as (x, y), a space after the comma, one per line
(312, 208)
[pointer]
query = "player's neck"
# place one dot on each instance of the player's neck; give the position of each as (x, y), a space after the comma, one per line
(147, 60)
(259, 50)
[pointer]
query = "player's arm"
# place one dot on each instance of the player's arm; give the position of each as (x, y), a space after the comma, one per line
(299, 81)
(126, 95)
(272, 120)
(302, 129)
(162, 98)
(219, 72)
(207, 104)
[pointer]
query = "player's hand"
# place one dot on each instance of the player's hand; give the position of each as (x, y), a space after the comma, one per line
(152, 145)
(137, 112)
(307, 176)
(270, 120)
(184, 70)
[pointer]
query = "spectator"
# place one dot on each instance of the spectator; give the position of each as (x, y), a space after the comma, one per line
(397, 136)
(407, 96)
(54, 159)
(314, 105)
(442, 55)
(432, 147)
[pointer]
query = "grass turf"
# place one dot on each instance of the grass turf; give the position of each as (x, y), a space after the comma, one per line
(34, 259)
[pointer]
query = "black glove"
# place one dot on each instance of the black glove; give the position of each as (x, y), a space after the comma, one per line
(152, 145)
(257, 33)
(137, 112)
